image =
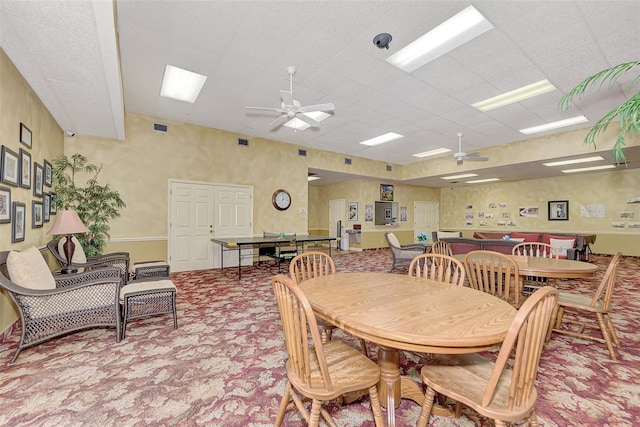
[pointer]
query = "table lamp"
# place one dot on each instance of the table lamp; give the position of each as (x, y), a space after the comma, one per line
(67, 222)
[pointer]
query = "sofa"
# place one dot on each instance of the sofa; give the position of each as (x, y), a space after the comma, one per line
(571, 246)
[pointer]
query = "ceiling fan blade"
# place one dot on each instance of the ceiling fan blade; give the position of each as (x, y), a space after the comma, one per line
(286, 96)
(278, 122)
(478, 158)
(308, 120)
(279, 110)
(318, 107)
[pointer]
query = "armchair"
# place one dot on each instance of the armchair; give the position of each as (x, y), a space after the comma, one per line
(119, 260)
(51, 306)
(402, 254)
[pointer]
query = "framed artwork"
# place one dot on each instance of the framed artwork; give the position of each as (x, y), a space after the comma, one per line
(37, 218)
(386, 193)
(9, 167)
(53, 207)
(19, 213)
(353, 211)
(558, 210)
(25, 135)
(48, 174)
(38, 180)
(25, 168)
(5, 205)
(46, 207)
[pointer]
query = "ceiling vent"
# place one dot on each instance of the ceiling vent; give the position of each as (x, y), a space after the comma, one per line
(302, 153)
(243, 142)
(159, 127)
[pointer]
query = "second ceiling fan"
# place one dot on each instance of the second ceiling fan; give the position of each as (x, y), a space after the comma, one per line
(293, 109)
(461, 156)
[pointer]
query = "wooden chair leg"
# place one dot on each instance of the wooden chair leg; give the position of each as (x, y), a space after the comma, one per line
(283, 405)
(607, 337)
(425, 413)
(314, 418)
(375, 406)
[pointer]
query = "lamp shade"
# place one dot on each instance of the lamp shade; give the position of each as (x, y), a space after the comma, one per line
(67, 222)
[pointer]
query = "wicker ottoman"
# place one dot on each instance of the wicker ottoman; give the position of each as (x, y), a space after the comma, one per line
(148, 297)
(144, 269)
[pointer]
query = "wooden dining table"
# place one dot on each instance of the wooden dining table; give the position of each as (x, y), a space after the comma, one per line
(401, 312)
(550, 267)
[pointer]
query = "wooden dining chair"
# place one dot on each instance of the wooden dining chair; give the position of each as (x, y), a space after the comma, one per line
(441, 247)
(598, 307)
(538, 250)
(442, 268)
(316, 370)
(308, 265)
(487, 387)
(494, 273)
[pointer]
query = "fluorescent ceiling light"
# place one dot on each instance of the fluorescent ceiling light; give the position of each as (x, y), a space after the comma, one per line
(464, 175)
(477, 181)
(554, 125)
(454, 32)
(592, 168)
(387, 137)
(298, 124)
(574, 161)
(181, 84)
(516, 95)
(312, 178)
(432, 152)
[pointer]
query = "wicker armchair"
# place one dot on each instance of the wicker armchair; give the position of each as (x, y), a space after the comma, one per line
(402, 254)
(119, 260)
(78, 301)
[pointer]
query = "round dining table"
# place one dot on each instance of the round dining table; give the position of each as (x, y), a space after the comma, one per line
(401, 312)
(558, 268)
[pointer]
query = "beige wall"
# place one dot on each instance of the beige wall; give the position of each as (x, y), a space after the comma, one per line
(612, 189)
(19, 104)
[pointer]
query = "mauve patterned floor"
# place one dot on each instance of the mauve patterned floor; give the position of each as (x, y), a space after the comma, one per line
(224, 365)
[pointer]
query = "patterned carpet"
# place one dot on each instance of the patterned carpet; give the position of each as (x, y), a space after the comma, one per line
(224, 365)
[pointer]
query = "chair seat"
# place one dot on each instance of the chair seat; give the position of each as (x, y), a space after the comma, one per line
(581, 302)
(135, 287)
(464, 378)
(142, 298)
(349, 370)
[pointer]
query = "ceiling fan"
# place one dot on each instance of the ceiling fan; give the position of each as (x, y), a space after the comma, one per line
(291, 108)
(461, 156)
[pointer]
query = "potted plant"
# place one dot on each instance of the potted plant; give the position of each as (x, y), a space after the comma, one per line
(95, 204)
(629, 111)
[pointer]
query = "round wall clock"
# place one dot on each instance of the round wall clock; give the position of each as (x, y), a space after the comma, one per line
(281, 200)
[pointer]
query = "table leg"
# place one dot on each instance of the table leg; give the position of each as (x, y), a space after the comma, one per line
(392, 387)
(239, 261)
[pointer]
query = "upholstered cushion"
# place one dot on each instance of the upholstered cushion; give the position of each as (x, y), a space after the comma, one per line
(78, 256)
(447, 234)
(393, 240)
(29, 269)
(562, 245)
(517, 239)
(146, 286)
(528, 237)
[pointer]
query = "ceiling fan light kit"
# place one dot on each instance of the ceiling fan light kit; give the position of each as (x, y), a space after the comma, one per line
(295, 115)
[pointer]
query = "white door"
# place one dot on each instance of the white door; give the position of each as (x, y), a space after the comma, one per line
(426, 218)
(190, 226)
(234, 218)
(336, 213)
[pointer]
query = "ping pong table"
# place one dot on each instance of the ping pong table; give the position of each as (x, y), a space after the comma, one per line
(238, 243)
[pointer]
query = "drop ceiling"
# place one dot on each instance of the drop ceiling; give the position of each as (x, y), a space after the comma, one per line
(68, 52)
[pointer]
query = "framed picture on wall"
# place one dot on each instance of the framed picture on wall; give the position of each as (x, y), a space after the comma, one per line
(53, 207)
(37, 219)
(38, 180)
(48, 174)
(386, 193)
(353, 211)
(5, 205)
(19, 213)
(25, 168)
(25, 135)
(9, 166)
(46, 207)
(558, 210)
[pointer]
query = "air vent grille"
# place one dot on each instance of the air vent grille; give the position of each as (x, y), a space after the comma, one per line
(302, 153)
(389, 168)
(347, 161)
(159, 127)
(243, 142)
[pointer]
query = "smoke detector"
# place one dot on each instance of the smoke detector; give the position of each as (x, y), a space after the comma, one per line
(382, 40)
